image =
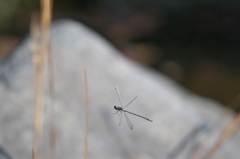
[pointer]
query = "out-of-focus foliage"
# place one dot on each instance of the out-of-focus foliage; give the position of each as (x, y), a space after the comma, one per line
(194, 42)
(14, 15)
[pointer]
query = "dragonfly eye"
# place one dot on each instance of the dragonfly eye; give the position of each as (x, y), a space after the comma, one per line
(115, 107)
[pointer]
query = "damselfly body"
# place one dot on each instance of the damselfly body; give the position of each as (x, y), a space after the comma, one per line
(121, 110)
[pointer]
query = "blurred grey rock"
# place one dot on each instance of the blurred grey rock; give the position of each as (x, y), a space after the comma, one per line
(4, 154)
(181, 120)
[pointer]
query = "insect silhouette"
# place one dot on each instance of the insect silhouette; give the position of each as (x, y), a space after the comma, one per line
(121, 110)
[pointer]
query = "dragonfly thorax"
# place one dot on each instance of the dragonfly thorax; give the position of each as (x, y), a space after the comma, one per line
(117, 108)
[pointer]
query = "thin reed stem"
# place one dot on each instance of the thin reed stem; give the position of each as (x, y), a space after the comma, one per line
(87, 115)
(229, 130)
(40, 58)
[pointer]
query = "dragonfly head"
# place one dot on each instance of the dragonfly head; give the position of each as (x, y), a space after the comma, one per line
(118, 108)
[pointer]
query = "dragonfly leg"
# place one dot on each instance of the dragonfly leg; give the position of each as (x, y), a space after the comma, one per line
(120, 113)
(115, 113)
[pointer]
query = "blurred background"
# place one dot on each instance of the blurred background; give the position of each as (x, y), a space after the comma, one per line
(196, 43)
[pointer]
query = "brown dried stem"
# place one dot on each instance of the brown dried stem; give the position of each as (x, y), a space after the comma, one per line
(87, 115)
(229, 131)
(40, 58)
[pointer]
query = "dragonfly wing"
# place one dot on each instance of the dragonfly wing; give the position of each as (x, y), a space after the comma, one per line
(130, 125)
(120, 122)
(118, 95)
(130, 102)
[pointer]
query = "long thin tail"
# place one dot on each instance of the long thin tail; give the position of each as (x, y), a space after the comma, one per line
(138, 115)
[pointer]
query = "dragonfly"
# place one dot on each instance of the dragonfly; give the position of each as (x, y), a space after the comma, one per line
(121, 110)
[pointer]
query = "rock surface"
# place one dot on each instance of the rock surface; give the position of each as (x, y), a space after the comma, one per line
(183, 123)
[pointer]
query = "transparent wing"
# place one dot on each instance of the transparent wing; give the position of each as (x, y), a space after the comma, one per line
(118, 95)
(128, 121)
(130, 102)
(120, 122)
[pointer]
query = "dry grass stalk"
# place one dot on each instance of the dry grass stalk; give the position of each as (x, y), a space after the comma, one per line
(34, 47)
(40, 58)
(87, 115)
(229, 131)
(52, 104)
(51, 78)
(34, 43)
